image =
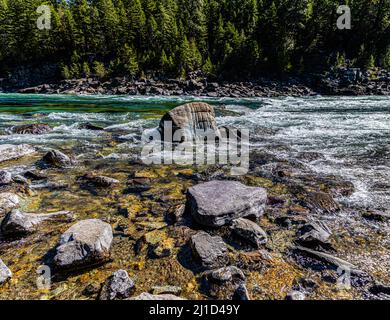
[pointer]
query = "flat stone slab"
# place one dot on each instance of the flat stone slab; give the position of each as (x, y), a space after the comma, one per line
(86, 243)
(148, 296)
(249, 231)
(210, 251)
(217, 203)
(12, 152)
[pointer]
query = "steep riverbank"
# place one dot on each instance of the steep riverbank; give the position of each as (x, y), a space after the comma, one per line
(323, 162)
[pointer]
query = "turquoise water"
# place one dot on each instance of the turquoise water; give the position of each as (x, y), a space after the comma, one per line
(352, 133)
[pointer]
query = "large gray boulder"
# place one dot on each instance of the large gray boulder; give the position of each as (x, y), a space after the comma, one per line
(5, 177)
(12, 152)
(36, 128)
(18, 224)
(8, 201)
(5, 273)
(211, 252)
(86, 243)
(57, 159)
(217, 203)
(148, 296)
(314, 233)
(117, 286)
(193, 118)
(249, 231)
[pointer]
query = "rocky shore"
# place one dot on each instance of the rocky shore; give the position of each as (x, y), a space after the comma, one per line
(347, 82)
(131, 231)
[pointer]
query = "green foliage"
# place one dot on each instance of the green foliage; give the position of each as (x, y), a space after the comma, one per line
(174, 37)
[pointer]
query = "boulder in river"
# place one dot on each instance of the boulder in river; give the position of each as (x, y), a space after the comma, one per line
(86, 243)
(5, 273)
(320, 203)
(12, 152)
(211, 252)
(217, 203)
(249, 231)
(90, 126)
(17, 223)
(193, 119)
(57, 159)
(8, 201)
(5, 177)
(118, 286)
(36, 128)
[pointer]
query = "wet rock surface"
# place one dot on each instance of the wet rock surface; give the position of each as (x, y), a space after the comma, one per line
(211, 252)
(5, 177)
(57, 159)
(5, 273)
(148, 296)
(217, 203)
(88, 242)
(11, 152)
(8, 201)
(250, 231)
(38, 128)
(118, 286)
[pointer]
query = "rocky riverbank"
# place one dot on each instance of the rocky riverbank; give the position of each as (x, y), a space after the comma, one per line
(346, 82)
(112, 229)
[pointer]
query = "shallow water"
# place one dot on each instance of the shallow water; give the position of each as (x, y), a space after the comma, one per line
(352, 133)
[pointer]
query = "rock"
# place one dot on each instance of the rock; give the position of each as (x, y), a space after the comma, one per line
(117, 286)
(90, 126)
(100, 181)
(86, 243)
(166, 290)
(12, 152)
(313, 234)
(37, 128)
(227, 283)
(320, 202)
(5, 273)
(376, 216)
(190, 118)
(138, 185)
(210, 251)
(148, 296)
(8, 201)
(250, 231)
(305, 285)
(35, 176)
(217, 203)
(20, 179)
(5, 177)
(295, 295)
(330, 259)
(16, 223)
(57, 159)
(378, 288)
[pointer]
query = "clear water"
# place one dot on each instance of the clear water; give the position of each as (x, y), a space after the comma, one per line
(352, 133)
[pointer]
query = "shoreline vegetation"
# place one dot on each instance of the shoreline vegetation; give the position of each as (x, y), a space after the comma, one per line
(205, 42)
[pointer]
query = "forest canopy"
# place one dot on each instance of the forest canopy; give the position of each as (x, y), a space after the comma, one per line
(227, 38)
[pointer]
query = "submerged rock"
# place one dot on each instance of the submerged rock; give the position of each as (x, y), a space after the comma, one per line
(210, 251)
(12, 152)
(36, 128)
(250, 231)
(320, 202)
(57, 159)
(194, 119)
(86, 243)
(8, 201)
(227, 283)
(100, 181)
(217, 203)
(117, 286)
(5, 177)
(5, 273)
(18, 223)
(148, 296)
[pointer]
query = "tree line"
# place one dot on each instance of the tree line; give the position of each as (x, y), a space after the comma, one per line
(172, 38)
